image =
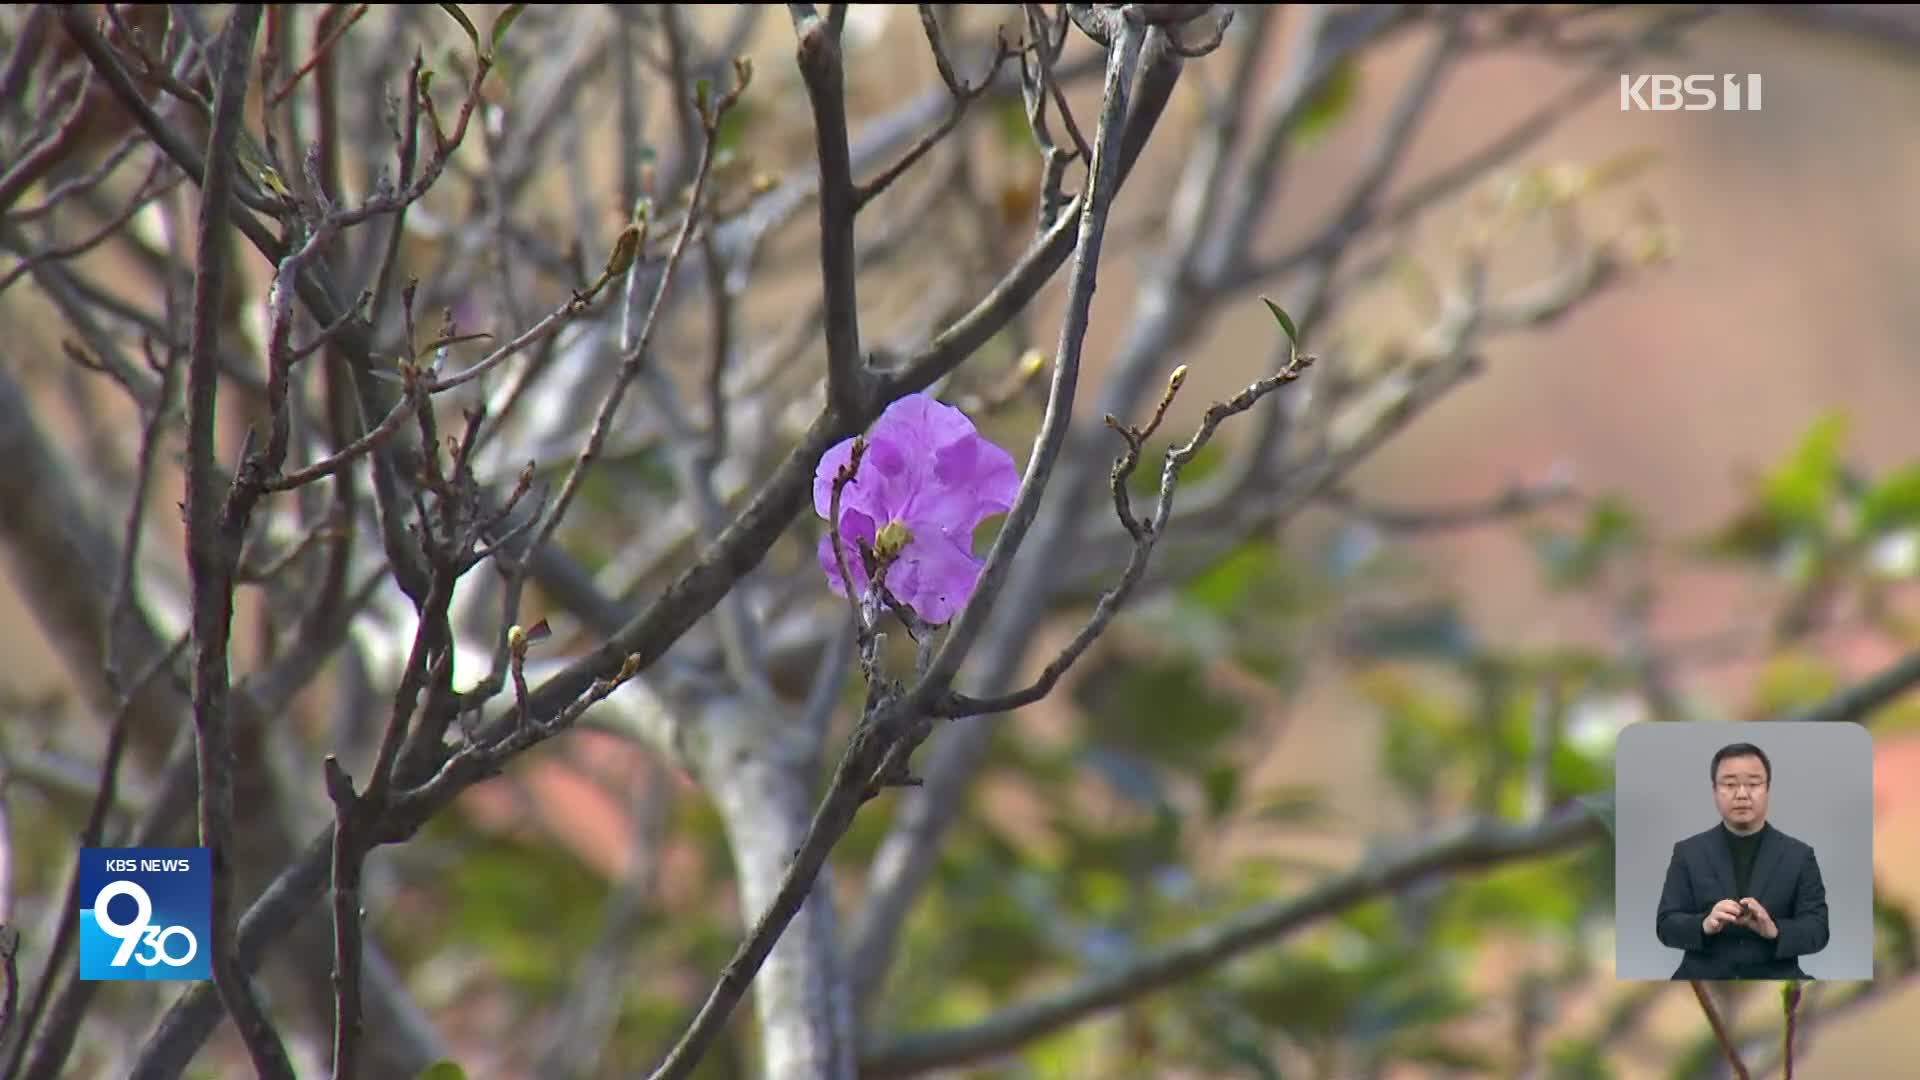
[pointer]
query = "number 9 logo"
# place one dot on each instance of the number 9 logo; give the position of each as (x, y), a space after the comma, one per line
(140, 930)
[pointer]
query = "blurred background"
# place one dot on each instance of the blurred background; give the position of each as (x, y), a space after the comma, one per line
(1351, 670)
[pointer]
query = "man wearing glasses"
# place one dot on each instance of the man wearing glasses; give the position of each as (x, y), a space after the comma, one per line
(1744, 899)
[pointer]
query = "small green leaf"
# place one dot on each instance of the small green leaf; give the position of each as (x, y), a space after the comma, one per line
(1328, 104)
(442, 1070)
(1285, 321)
(1895, 936)
(1221, 784)
(1892, 503)
(504, 23)
(465, 24)
(1011, 120)
(1798, 492)
(1572, 560)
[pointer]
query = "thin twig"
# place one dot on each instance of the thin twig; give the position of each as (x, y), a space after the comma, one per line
(147, 191)
(124, 579)
(346, 923)
(9, 970)
(1145, 534)
(963, 96)
(1719, 1028)
(32, 163)
(1045, 53)
(840, 481)
(92, 834)
(80, 185)
(320, 51)
(356, 817)
(409, 404)
(1104, 177)
(638, 353)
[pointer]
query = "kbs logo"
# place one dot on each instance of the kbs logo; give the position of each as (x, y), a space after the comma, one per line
(145, 913)
(1689, 93)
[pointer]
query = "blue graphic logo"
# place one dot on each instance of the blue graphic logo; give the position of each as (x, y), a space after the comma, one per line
(145, 913)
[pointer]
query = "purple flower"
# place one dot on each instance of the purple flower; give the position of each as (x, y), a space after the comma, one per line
(927, 478)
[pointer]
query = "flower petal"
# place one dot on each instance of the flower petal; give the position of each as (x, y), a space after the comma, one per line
(855, 527)
(925, 421)
(881, 487)
(824, 474)
(984, 471)
(935, 576)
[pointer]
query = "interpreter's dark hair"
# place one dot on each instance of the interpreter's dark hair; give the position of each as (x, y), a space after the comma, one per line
(1739, 749)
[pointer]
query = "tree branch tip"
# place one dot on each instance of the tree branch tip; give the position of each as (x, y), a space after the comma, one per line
(339, 784)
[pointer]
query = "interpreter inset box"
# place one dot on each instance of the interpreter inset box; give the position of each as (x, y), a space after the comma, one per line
(1743, 851)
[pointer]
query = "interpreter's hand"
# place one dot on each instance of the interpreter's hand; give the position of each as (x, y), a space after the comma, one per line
(1755, 918)
(1724, 914)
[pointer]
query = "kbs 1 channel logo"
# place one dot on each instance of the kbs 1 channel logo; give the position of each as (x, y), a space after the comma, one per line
(145, 914)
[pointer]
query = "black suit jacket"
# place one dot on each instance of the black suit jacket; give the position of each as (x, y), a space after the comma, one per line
(1786, 881)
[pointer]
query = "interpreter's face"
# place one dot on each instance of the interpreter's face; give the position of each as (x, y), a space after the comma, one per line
(1740, 791)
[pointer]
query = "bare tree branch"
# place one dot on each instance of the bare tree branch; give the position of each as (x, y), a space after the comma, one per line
(848, 383)
(1517, 500)
(963, 96)
(215, 526)
(1719, 1029)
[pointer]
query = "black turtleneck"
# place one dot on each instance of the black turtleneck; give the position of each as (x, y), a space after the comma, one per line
(1743, 849)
